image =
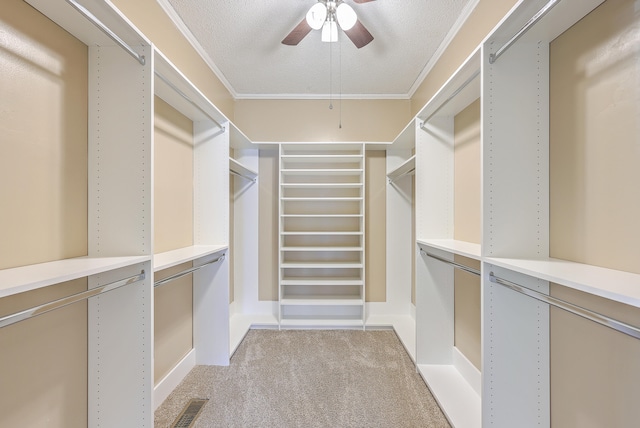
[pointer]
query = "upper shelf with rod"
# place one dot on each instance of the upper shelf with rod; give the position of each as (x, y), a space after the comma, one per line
(408, 167)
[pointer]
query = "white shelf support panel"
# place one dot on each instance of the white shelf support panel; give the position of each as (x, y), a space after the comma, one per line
(321, 235)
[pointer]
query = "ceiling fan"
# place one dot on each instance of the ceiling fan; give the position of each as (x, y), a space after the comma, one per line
(328, 15)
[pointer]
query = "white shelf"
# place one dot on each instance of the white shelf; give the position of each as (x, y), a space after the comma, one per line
(320, 322)
(457, 399)
(242, 170)
(321, 216)
(322, 158)
(406, 168)
(321, 281)
(182, 255)
(321, 199)
(322, 300)
(323, 233)
(406, 139)
(619, 286)
(461, 248)
(316, 171)
(31, 277)
(322, 185)
(331, 249)
(321, 265)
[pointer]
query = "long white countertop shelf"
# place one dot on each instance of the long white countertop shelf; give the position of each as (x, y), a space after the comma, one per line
(619, 286)
(461, 248)
(322, 300)
(182, 255)
(31, 277)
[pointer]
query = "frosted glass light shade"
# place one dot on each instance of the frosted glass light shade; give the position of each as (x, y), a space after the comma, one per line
(316, 16)
(346, 16)
(330, 31)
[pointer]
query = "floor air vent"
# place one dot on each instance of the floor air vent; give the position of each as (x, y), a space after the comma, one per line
(190, 413)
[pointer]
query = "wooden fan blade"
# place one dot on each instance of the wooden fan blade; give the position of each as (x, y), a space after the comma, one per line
(362, 1)
(297, 34)
(359, 35)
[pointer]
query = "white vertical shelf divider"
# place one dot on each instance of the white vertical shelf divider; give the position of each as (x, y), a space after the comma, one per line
(455, 383)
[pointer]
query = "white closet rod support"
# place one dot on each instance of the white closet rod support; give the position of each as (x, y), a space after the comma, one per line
(537, 17)
(186, 272)
(452, 96)
(454, 264)
(95, 21)
(570, 307)
(411, 171)
(253, 180)
(65, 301)
(183, 95)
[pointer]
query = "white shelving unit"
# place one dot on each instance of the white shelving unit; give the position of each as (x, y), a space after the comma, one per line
(321, 260)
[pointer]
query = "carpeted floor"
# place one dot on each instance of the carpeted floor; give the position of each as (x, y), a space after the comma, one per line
(324, 378)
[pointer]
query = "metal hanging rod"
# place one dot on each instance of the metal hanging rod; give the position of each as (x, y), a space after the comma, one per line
(242, 175)
(411, 171)
(537, 17)
(186, 272)
(452, 96)
(454, 264)
(183, 95)
(570, 307)
(113, 36)
(65, 301)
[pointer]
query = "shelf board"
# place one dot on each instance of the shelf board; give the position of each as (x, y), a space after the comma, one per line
(406, 139)
(322, 185)
(321, 265)
(319, 249)
(457, 399)
(619, 286)
(320, 322)
(408, 167)
(32, 277)
(317, 171)
(172, 258)
(242, 170)
(291, 281)
(322, 158)
(461, 248)
(320, 300)
(321, 215)
(321, 233)
(322, 199)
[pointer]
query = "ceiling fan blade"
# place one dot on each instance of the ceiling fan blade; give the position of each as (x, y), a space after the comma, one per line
(362, 1)
(359, 35)
(297, 34)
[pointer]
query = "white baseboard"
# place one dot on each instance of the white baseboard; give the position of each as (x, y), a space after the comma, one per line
(468, 371)
(168, 383)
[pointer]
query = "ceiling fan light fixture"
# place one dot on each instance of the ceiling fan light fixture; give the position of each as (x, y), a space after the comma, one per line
(330, 31)
(346, 16)
(316, 16)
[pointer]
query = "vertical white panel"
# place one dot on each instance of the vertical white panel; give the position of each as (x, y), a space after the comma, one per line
(434, 309)
(211, 313)
(120, 352)
(399, 237)
(434, 178)
(246, 220)
(515, 331)
(515, 106)
(120, 153)
(211, 181)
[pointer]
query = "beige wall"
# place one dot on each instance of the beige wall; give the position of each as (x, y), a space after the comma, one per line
(376, 226)
(43, 170)
(594, 158)
(312, 120)
(149, 17)
(173, 229)
(482, 20)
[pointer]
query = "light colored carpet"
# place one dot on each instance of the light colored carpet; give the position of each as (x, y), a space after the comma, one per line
(323, 378)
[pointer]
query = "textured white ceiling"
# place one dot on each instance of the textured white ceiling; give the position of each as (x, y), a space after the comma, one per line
(242, 39)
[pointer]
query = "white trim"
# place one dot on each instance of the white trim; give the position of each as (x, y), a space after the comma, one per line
(468, 371)
(334, 97)
(177, 21)
(168, 383)
(464, 15)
